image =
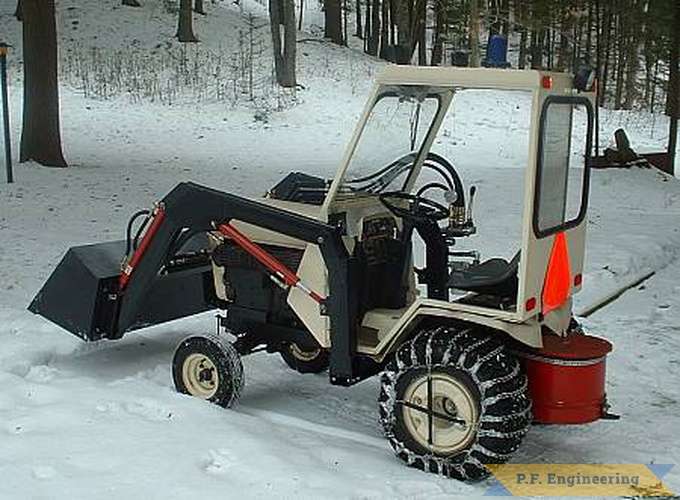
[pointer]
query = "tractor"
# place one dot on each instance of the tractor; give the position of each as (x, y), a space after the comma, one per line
(325, 273)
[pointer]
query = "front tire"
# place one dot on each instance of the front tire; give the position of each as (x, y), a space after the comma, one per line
(454, 400)
(208, 368)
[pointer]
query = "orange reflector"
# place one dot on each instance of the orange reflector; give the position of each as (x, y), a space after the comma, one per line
(547, 82)
(530, 304)
(578, 279)
(558, 278)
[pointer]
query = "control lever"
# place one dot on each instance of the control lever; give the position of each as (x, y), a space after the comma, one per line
(468, 222)
(460, 218)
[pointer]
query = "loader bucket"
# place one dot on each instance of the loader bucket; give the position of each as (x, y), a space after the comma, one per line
(82, 295)
(75, 295)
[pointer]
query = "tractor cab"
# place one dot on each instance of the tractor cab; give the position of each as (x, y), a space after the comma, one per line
(394, 187)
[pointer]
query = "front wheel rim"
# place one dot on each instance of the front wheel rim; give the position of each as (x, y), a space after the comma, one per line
(200, 376)
(446, 423)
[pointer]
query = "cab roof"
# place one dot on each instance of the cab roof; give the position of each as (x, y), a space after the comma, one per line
(473, 78)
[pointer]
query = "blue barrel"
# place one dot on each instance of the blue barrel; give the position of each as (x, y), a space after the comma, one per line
(497, 52)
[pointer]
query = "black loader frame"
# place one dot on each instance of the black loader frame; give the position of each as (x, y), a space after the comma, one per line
(189, 209)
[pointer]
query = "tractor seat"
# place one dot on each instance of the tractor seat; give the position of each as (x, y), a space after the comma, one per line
(492, 277)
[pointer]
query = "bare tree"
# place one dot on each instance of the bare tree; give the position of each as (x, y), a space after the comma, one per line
(438, 34)
(282, 14)
(17, 13)
(474, 33)
(40, 134)
(199, 8)
(185, 24)
(333, 21)
(673, 106)
(359, 33)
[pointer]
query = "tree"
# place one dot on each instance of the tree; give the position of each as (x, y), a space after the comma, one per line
(374, 37)
(359, 33)
(40, 134)
(185, 24)
(438, 34)
(674, 89)
(474, 33)
(282, 13)
(199, 8)
(333, 21)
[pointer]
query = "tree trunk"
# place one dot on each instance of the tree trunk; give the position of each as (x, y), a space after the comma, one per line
(589, 35)
(422, 43)
(536, 49)
(333, 21)
(632, 53)
(620, 64)
(384, 28)
(606, 56)
(289, 45)
(393, 22)
(40, 134)
(18, 12)
(359, 33)
(520, 25)
(374, 35)
(283, 14)
(438, 35)
(367, 27)
(474, 33)
(522, 58)
(185, 24)
(673, 99)
(564, 58)
(199, 8)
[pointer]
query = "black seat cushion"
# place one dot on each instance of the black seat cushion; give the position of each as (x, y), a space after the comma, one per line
(493, 277)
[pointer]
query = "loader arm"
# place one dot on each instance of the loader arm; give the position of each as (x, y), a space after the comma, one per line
(191, 208)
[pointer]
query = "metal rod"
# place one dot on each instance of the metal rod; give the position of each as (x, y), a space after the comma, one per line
(609, 298)
(434, 413)
(5, 113)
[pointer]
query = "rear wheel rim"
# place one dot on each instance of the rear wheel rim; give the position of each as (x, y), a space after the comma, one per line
(451, 398)
(303, 355)
(200, 376)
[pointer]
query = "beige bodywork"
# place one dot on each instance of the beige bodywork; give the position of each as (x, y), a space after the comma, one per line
(382, 329)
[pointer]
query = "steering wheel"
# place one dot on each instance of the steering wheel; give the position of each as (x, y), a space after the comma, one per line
(419, 209)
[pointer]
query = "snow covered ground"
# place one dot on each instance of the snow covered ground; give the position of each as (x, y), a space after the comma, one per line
(103, 420)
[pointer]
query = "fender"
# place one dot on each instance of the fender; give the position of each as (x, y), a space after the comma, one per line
(527, 332)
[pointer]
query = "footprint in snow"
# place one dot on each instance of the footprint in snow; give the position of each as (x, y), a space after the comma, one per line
(44, 472)
(219, 461)
(145, 408)
(41, 374)
(148, 409)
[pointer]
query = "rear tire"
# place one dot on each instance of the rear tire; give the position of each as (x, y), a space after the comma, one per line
(208, 368)
(305, 360)
(452, 401)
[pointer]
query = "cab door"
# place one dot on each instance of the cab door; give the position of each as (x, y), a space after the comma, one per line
(551, 267)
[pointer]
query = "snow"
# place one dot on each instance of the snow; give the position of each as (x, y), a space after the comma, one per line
(103, 420)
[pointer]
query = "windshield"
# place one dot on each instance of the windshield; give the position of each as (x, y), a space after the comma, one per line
(390, 142)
